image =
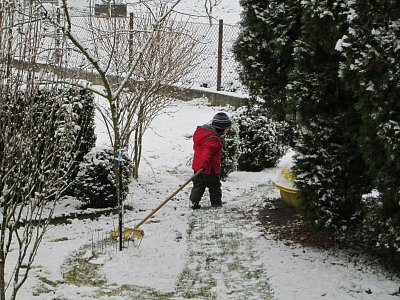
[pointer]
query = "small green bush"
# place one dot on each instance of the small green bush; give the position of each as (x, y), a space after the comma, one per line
(382, 230)
(95, 181)
(260, 140)
(230, 154)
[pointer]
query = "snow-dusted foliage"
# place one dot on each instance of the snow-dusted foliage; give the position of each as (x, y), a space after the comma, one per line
(323, 165)
(38, 134)
(95, 182)
(52, 112)
(300, 66)
(333, 67)
(260, 139)
(264, 51)
(83, 105)
(230, 153)
(329, 168)
(254, 142)
(84, 108)
(381, 230)
(371, 70)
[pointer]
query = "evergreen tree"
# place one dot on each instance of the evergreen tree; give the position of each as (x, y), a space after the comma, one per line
(334, 66)
(230, 152)
(371, 71)
(329, 169)
(83, 106)
(264, 51)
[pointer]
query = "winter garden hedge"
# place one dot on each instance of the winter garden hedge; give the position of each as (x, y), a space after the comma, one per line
(95, 181)
(86, 138)
(59, 106)
(333, 69)
(253, 143)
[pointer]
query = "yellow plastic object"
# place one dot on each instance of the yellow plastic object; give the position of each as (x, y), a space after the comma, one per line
(290, 198)
(285, 183)
(130, 234)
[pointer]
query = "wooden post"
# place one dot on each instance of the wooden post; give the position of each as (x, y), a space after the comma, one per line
(219, 64)
(130, 37)
(120, 158)
(1, 22)
(58, 37)
(120, 210)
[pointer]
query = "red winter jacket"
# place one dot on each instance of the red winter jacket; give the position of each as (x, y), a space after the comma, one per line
(207, 148)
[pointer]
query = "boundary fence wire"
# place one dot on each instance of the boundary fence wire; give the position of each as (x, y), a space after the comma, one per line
(215, 68)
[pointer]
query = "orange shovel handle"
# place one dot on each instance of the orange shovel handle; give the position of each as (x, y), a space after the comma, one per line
(166, 200)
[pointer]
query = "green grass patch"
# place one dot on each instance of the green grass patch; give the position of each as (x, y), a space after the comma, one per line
(82, 273)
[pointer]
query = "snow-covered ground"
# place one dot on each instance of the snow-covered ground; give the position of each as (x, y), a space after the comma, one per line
(228, 10)
(203, 254)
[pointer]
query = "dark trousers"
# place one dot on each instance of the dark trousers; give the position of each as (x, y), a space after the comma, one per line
(203, 181)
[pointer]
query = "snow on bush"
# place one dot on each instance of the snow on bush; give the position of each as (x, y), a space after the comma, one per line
(95, 182)
(382, 232)
(230, 154)
(260, 140)
(83, 106)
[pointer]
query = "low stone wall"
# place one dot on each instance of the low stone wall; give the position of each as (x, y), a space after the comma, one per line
(215, 98)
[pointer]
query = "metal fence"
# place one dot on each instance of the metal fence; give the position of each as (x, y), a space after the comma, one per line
(215, 67)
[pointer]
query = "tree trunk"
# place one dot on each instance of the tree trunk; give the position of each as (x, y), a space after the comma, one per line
(2, 283)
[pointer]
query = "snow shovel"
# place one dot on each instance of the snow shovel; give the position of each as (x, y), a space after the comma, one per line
(136, 232)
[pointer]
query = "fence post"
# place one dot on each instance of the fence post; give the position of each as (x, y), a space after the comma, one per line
(58, 37)
(130, 37)
(1, 22)
(219, 64)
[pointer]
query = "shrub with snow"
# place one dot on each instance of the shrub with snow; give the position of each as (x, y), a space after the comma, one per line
(382, 230)
(54, 113)
(230, 154)
(82, 102)
(370, 69)
(333, 67)
(260, 140)
(95, 182)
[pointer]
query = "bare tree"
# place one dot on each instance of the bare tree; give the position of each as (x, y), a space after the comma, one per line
(107, 67)
(209, 7)
(158, 79)
(34, 169)
(37, 142)
(154, 55)
(111, 92)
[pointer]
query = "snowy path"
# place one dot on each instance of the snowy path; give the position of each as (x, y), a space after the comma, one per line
(206, 254)
(223, 261)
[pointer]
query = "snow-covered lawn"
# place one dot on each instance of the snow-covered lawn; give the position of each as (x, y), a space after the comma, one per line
(222, 253)
(210, 253)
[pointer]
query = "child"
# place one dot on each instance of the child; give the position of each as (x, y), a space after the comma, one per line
(207, 146)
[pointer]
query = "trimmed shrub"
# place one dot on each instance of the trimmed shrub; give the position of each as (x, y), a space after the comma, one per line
(56, 113)
(84, 107)
(382, 231)
(230, 154)
(260, 140)
(95, 181)
(82, 102)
